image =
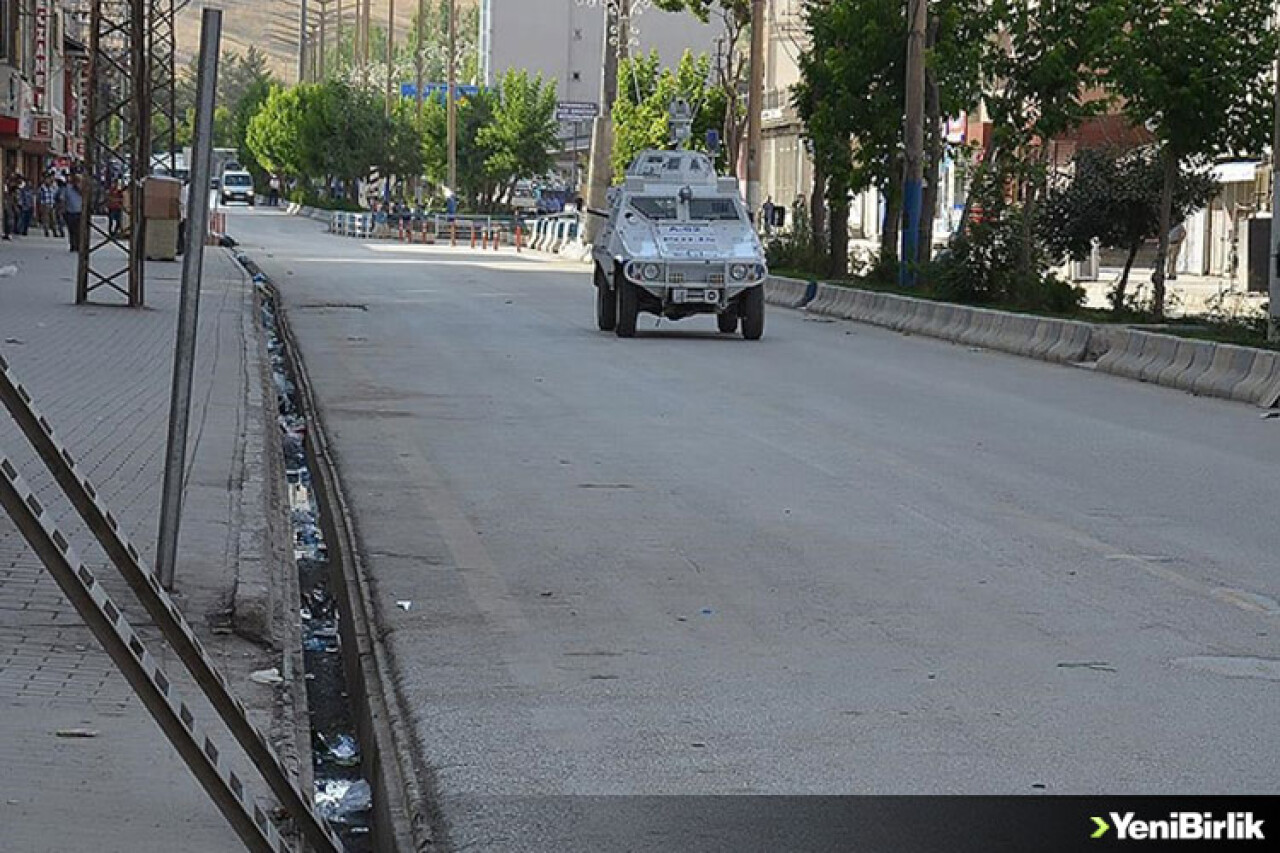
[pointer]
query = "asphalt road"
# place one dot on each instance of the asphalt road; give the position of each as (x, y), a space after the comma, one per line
(839, 560)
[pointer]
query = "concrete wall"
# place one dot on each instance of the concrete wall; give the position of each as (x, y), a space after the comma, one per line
(564, 41)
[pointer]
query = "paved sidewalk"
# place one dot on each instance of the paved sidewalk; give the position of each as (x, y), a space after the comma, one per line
(101, 374)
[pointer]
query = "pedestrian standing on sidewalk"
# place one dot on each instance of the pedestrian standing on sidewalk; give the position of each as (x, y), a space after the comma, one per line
(48, 202)
(1176, 237)
(5, 195)
(59, 204)
(26, 206)
(115, 208)
(74, 204)
(274, 185)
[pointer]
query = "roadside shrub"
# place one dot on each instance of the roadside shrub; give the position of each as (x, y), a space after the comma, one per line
(982, 268)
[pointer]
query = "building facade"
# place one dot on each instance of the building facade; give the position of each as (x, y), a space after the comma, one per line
(42, 68)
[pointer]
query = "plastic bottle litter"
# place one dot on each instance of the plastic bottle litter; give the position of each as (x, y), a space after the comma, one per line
(340, 749)
(267, 676)
(343, 800)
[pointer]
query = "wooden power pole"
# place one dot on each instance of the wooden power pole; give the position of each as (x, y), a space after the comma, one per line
(913, 179)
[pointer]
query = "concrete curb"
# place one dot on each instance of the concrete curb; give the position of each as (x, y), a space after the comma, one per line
(253, 605)
(1243, 374)
(403, 810)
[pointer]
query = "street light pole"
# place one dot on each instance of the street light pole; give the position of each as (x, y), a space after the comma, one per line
(1273, 290)
(452, 99)
(755, 103)
(913, 183)
(391, 49)
(302, 42)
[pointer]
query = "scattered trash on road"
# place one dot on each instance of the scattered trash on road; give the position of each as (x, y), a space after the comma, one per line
(344, 801)
(267, 676)
(340, 749)
(78, 733)
(404, 604)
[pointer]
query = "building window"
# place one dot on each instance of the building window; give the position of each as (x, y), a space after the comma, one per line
(577, 76)
(8, 26)
(577, 34)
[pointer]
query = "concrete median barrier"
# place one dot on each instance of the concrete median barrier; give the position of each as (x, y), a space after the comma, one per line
(786, 292)
(1184, 356)
(1263, 374)
(1230, 366)
(1201, 361)
(1122, 355)
(1157, 356)
(1200, 367)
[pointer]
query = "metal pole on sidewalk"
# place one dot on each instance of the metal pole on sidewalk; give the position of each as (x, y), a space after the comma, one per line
(184, 356)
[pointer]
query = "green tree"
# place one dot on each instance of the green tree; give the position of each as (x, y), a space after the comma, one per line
(852, 97)
(523, 132)
(730, 66)
(1044, 68)
(273, 134)
(476, 188)
(1113, 198)
(328, 131)
(1196, 72)
(641, 114)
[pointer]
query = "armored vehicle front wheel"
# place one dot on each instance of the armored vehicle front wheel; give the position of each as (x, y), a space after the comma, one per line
(727, 321)
(606, 304)
(628, 308)
(752, 309)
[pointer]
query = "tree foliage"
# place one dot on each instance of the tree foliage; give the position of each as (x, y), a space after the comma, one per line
(1197, 73)
(504, 135)
(641, 114)
(332, 131)
(852, 93)
(1113, 198)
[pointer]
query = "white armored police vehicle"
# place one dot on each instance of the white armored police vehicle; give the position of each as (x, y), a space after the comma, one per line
(678, 242)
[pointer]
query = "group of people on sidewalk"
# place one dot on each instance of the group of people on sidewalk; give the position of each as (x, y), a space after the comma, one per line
(56, 205)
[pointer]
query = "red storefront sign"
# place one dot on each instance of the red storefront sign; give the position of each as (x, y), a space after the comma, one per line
(40, 73)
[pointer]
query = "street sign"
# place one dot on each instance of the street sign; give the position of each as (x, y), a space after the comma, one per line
(437, 90)
(576, 111)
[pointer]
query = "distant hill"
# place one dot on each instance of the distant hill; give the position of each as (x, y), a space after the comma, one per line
(272, 26)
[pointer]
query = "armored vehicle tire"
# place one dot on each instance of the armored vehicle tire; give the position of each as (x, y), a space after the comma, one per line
(628, 308)
(752, 309)
(606, 304)
(728, 321)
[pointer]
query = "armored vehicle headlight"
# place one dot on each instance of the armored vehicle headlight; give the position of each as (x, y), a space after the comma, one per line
(738, 272)
(651, 272)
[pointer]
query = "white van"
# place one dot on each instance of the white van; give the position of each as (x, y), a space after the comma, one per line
(236, 186)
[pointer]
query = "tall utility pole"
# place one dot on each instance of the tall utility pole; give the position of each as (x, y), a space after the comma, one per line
(913, 179)
(418, 59)
(391, 50)
(1273, 324)
(755, 103)
(599, 167)
(452, 98)
(302, 42)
